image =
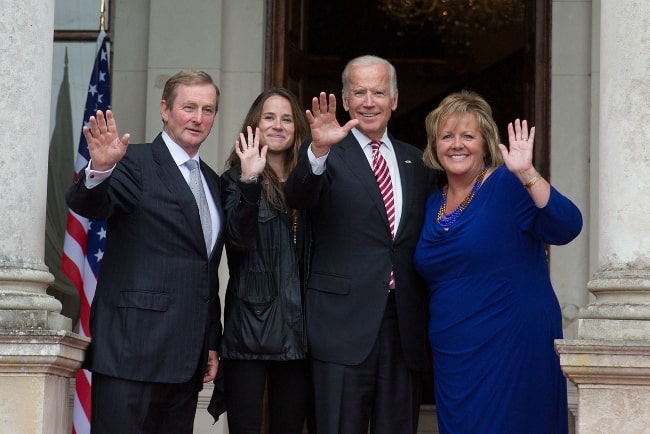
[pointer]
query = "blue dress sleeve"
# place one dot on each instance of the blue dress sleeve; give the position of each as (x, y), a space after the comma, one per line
(558, 223)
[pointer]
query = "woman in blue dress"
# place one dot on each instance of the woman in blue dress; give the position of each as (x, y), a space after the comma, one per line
(493, 313)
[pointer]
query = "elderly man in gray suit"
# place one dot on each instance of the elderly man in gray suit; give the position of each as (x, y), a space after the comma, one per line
(155, 317)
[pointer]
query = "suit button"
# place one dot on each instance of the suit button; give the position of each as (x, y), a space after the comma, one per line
(206, 299)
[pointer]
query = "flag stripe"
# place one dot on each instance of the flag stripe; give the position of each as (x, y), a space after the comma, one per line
(83, 383)
(85, 239)
(71, 271)
(76, 229)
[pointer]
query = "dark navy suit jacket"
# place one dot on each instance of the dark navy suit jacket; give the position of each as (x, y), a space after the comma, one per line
(156, 308)
(353, 251)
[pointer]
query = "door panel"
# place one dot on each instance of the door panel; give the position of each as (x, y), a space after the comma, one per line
(285, 44)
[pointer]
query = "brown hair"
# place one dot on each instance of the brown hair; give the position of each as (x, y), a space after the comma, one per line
(187, 78)
(301, 132)
(460, 103)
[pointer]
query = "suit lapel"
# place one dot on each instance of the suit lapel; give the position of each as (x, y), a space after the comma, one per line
(170, 176)
(407, 176)
(354, 158)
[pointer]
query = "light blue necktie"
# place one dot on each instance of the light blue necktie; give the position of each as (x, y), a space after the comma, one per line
(199, 194)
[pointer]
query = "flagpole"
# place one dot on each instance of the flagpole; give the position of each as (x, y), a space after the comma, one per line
(102, 16)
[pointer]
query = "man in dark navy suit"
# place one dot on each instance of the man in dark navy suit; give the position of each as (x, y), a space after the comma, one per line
(155, 317)
(365, 303)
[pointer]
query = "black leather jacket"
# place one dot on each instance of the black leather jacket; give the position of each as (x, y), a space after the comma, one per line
(264, 315)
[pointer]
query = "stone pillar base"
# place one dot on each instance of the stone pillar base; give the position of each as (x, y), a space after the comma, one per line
(24, 303)
(33, 320)
(35, 370)
(613, 380)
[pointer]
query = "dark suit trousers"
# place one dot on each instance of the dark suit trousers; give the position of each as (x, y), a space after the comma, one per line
(381, 393)
(135, 407)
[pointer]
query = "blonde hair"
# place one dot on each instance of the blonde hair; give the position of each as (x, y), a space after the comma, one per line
(462, 103)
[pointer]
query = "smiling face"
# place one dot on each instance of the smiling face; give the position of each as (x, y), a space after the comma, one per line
(368, 98)
(276, 124)
(189, 119)
(460, 147)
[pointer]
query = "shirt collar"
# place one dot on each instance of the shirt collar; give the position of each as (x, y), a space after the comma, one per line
(364, 141)
(178, 154)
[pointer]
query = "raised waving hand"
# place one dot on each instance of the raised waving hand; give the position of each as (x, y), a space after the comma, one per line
(519, 156)
(519, 160)
(325, 128)
(252, 158)
(104, 144)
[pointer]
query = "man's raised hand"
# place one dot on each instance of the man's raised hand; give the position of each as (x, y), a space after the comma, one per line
(104, 144)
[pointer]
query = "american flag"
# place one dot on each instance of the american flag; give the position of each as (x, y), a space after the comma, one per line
(83, 246)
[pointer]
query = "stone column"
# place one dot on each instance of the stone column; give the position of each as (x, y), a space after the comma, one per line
(37, 353)
(610, 360)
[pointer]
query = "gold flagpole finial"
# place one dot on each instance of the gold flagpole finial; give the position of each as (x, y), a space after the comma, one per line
(102, 16)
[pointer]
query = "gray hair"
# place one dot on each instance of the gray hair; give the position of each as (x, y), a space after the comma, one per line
(368, 60)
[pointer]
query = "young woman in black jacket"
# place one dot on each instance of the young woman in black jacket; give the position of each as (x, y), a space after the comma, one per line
(264, 345)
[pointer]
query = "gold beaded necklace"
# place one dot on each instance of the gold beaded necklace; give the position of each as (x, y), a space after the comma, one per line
(446, 220)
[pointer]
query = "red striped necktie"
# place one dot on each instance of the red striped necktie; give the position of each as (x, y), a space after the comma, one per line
(380, 168)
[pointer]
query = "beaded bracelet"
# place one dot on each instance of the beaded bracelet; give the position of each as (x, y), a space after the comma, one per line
(533, 181)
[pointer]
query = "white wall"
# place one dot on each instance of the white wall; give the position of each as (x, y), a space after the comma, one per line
(573, 133)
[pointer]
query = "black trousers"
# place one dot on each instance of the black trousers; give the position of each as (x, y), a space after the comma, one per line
(379, 396)
(290, 396)
(136, 407)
